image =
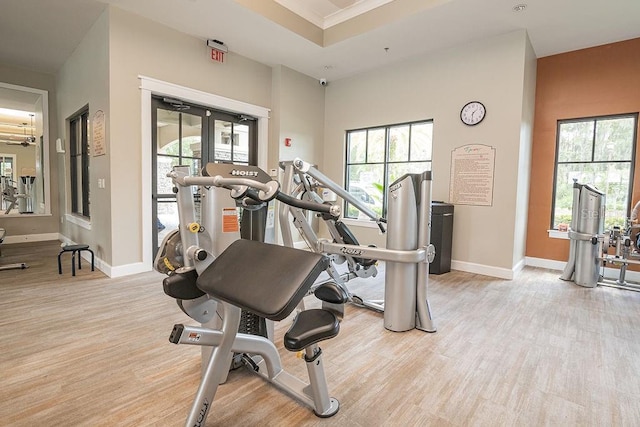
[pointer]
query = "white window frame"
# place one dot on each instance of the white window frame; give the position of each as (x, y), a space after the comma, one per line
(554, 232)
(386, 164)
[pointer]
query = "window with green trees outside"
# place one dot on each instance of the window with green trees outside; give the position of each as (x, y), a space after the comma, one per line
(599, 151)
(378, 156)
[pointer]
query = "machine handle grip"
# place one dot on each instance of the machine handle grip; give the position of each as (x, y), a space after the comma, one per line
(252, 198)
(220, 181)
(266, 191)
(239, 184)
(311, 206)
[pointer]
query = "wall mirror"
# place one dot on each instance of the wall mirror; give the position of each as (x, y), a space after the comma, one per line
(24, 151)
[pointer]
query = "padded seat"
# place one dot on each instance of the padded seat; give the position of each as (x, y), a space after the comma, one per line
(182, 285)
(75, 249)
(311, 327)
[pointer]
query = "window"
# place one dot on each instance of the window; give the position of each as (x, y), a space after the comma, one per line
(79, 168)
(228, 149)
(7, 168)
(226, 139)
(599, 151)
(8, 183)
(378, 156)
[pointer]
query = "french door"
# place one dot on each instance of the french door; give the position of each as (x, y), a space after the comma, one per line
(192, 135)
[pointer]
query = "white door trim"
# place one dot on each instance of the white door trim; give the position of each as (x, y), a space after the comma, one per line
(150, 86)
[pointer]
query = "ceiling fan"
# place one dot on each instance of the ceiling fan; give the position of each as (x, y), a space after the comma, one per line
(27, 140)
(26, 143)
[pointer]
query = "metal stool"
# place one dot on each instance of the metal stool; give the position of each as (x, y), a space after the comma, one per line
(75, 249)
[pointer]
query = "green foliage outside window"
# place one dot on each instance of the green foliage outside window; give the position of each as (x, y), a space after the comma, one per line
(376, 157)
(599, 152)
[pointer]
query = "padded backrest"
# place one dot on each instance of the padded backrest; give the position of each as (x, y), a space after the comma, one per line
(346, 234)
(265, 279)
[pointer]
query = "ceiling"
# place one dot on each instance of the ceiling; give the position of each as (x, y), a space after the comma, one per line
(41, 34)
(327, 13)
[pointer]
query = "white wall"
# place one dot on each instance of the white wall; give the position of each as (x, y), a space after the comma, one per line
(84, 80)
(142, 47)
(297, 113)
(103, 72)
(301, 113)
(524, 160)
(436, 87)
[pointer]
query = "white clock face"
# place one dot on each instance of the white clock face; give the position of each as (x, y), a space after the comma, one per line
(472, 113)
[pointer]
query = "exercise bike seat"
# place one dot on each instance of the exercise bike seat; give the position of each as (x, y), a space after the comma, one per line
(264, 279)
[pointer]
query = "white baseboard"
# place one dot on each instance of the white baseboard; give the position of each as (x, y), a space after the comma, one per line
(545, 263)
(128, 269)
(31, 238)
(518, 267)
(119, 271)
(486, 270)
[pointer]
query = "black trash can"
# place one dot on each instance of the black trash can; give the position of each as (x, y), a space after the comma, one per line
(441, 236)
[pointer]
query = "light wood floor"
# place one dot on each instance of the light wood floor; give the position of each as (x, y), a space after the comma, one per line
(93, 351)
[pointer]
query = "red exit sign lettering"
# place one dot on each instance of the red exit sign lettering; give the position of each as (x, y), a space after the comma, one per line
(217, 55)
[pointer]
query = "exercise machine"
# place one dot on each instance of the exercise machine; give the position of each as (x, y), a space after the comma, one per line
(25, 200)
(247, 275)
(303, 186)
(587, 223)
(15, 266)
(617, 247)
(591, 248)
(407, 255)
(209, 226)
(13, 198)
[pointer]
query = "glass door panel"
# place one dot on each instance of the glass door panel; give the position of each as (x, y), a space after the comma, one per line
(241, 144)
(234, 141)
(185, 134)
(178, 132)
(223, 131)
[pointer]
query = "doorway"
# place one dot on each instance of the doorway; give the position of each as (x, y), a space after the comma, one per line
(192, 135)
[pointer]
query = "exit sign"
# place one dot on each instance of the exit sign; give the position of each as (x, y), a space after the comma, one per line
(217, 55)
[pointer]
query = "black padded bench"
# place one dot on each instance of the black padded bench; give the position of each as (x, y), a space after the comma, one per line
(75, 249)
(270, 281)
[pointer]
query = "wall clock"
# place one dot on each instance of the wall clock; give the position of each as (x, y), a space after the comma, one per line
(473, 113)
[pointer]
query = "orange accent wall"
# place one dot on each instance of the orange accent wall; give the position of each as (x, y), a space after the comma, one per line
(590, 82)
